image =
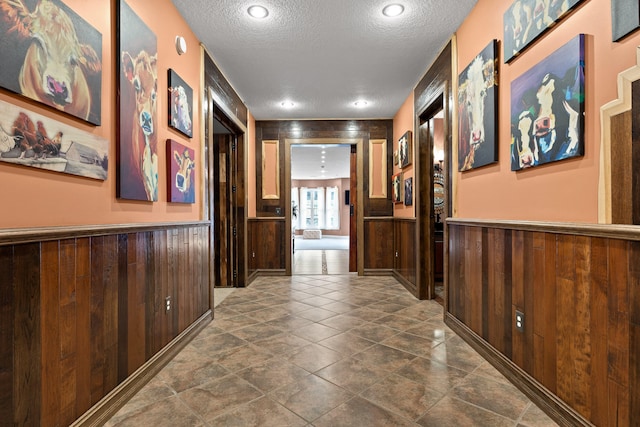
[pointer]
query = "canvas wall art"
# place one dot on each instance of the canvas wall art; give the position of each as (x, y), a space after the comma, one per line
(408, 191)
(180, 174)
(478, 110)
(526, 20)
(51, 55)
(30, 139)
(396, 188)
(180, 104)
(137, 177)
(405, 149)
(547, 109)
(625, 18)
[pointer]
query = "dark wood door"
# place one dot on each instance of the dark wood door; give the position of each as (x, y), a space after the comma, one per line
(353, 206)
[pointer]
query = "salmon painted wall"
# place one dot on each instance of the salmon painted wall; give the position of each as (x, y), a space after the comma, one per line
(402, 122)
(560, 191)
(251, 168)
(35, 198)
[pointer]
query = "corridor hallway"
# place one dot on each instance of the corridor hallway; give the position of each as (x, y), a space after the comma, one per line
(327, 350)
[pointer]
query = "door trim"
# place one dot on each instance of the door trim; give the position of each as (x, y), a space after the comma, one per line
(359, 143)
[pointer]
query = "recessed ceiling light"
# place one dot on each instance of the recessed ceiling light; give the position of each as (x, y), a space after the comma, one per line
(392, 10)
(360, 104)
(257, 11)
(287, 104)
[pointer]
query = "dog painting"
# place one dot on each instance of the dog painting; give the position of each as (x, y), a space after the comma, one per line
(180, 104)
(181, 175)
(477, 111)
(526, 20)
(547, 109)
(34, 140)
(51, 55)
(137, 104)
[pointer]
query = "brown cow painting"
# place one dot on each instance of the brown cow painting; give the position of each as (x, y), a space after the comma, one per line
(138, 96)
(50, 54)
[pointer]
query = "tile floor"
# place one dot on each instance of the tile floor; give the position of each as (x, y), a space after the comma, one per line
(328, 350)
(320, 262)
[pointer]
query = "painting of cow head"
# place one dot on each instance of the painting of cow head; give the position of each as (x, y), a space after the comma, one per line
(477, 111)
(526, 20)
(50, 54)
(547, 109)
(180, 104)
(137, 172)
(180, 174)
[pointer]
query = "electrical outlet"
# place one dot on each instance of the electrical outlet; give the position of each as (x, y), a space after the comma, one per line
(520, 321)
(167, 303)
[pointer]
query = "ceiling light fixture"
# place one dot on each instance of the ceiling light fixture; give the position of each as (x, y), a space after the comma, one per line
(287, 104)
(258, 12)
(360, 104)
(392, 10)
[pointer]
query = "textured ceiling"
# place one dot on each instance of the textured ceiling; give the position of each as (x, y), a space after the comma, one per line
(323, 55)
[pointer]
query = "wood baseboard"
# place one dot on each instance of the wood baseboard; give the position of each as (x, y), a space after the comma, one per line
(378, 272)
(551, 404)
(411, 287)
(107, 407)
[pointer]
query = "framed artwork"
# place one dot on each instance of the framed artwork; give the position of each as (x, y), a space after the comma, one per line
(180, 173)
(396, 188)
(180, 104)
(396, 158)
(51, 55)
(30, 139)
(408, 191)
(625, 18)
(137, 171)
(547, 109)
(405, 149)
(527, 20)
(478, 110)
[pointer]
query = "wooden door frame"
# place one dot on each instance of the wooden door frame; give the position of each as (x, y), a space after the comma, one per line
(425, 216)
(358, 141)
(214, 106)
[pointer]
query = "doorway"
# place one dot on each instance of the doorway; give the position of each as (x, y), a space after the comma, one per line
(324, 232)
(435, 178)
(225, 148)
(320, 208)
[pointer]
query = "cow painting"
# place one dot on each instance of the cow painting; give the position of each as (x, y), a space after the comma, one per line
(477, 111)
(138, 134)
(181, 174)
(51, 55)
(526, 20)
(180, 104)
(547, 109)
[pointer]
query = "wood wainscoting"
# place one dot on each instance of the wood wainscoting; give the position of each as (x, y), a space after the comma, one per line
(378, 245)
(404, 265)
(578, 286)
(83, 314)
(266, 242)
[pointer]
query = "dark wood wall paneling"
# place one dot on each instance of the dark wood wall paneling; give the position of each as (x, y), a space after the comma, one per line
(379, 247)
(280, 130)
(222, 88)
(80, 315)
(266, 244)
(405, 253)
(579, 292)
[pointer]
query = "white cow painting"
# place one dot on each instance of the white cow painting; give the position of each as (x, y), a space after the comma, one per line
(477, 111)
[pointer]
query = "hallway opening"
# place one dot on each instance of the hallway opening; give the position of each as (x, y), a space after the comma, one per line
(321, 207)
